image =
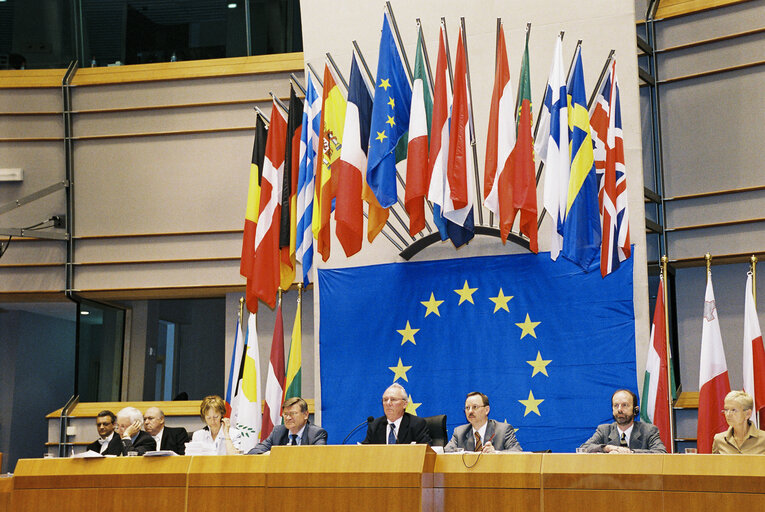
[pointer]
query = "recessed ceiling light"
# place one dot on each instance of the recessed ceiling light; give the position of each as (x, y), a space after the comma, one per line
(232, 5)
(83, 312)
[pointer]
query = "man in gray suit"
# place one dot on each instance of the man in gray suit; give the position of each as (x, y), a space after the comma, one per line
(625, 435)
(295, 431)
(482, 434)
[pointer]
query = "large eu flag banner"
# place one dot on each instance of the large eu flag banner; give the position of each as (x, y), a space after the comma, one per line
(547, 341)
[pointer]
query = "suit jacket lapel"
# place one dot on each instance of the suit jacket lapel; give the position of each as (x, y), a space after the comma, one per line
(635, 437)
(614, 435)
(489, 432)
(469, 439)
(403, 430)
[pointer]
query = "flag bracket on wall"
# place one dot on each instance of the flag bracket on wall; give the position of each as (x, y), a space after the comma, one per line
(426, 241)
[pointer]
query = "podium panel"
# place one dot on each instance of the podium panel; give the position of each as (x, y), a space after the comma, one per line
(81, 484)
(599, 481)
(338, 478)
(226, 481)
(464, 480)
(6, 488)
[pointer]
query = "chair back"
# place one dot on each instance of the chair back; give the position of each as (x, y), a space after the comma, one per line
(437, 429)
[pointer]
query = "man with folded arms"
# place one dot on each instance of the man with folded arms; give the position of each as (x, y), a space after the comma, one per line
(625, 435)
(107, 443)
(397, 426)
(129, 422)
(296, 431)
(167, 438)
(482, 434)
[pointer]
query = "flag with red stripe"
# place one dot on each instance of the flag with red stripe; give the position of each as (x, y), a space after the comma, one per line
(251, 214)
(266, 264)
(272, 410)
(608, 141)
(754, 354)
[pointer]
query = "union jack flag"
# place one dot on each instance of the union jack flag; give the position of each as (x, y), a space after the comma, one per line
(606, 127)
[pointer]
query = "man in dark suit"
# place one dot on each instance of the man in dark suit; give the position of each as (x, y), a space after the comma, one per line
(167, 438)
(625, 435)
(397, 426)
(482, 434)
(107, 443)
(129, 422)
(297, 430)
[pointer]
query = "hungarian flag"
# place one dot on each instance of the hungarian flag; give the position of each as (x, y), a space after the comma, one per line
(251, 213)
(754, 354)
(330, 141)
(295, 359)
(417, 170)
(272, 410)
(349, 209)
(518, 187)
(266, 265)
(713, 376)
(288, 220)
(501, 132)
(655, 406)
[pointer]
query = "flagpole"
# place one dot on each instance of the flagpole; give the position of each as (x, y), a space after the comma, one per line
(265, 118)
(496, 54)
(669, 397)
(278, 101)
(241, 310)
(753, 261)
(398, 176)
(518, 94)
(448, 54)
(600, 78)
(337, 71)
(471, 124)
(398, 38)
(708, 260)
(294, 80)
(315, 75)
(421, 36)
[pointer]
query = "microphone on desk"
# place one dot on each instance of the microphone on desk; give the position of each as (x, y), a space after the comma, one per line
(357, 427)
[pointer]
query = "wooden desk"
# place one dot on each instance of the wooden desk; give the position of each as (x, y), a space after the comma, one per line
(145, 483)
(601, 480)
(383, 478)
(493, 479)
(350, 478)
(6, 488)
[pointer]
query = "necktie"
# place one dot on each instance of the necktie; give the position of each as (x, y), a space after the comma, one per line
(478, 444)
(624, 439)
(392, 434)
(293, 439)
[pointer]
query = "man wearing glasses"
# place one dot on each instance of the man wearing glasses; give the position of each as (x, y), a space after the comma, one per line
(482, 434)
(297, 430)
(397, 426)
(107, 443)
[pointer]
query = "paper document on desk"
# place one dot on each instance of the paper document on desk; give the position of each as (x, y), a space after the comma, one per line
(90, 454)
(160, 453)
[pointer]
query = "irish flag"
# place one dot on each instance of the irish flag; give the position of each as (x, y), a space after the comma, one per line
(655, 406)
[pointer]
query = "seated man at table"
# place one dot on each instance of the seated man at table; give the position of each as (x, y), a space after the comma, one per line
(397, 426)
(107, 443)
(167, 438)
(625, 435)
(482, 434)
(297, 430)
(129, 422)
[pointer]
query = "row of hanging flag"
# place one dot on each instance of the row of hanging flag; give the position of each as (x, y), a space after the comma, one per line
(351, 144)
(658, 386)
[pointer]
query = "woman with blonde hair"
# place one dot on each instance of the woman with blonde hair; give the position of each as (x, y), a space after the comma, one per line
(218, 434)
(742, 436)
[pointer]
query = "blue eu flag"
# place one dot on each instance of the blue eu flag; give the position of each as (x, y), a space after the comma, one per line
(548, 342)
(390, 118)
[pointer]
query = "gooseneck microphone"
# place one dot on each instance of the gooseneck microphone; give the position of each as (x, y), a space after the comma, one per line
(357, 427)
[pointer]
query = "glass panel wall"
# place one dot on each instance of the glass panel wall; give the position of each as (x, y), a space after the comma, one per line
(38, 34)
(100, 348)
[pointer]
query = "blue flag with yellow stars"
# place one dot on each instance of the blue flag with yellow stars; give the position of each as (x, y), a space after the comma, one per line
(547, 341)
(390, 118)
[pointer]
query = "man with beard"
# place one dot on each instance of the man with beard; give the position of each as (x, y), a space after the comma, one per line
(625, 435)
(482, 434)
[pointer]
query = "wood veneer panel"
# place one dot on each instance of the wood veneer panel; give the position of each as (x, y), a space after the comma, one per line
(501, 470)
(6, 487)
(227, 471)
(344, 499)
(460, 500)
(713, 501)
(602, 471)
(715, 473)
(603, 501)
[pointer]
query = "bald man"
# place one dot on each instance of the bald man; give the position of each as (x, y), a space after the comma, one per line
(167, 438)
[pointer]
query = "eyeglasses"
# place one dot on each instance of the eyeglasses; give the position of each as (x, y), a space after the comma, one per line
(291, 414)
(391, 400)
(731, 411)
(469, 408)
